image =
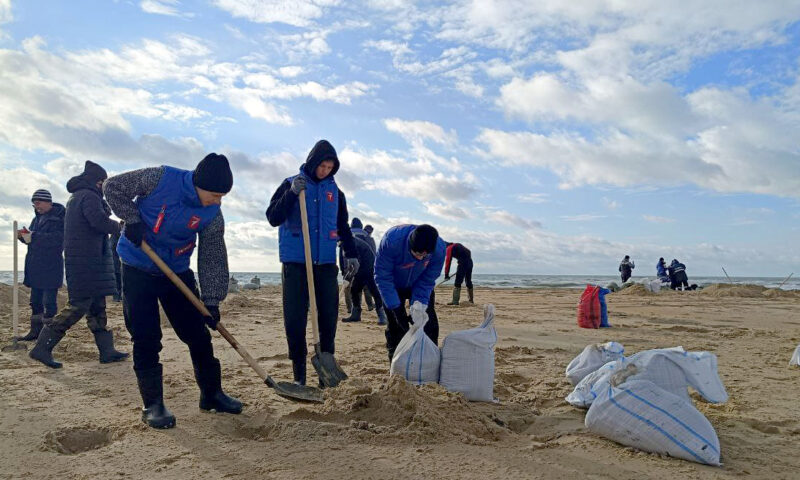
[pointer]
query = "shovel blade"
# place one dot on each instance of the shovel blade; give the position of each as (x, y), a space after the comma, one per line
(296, 392)
(330, 374)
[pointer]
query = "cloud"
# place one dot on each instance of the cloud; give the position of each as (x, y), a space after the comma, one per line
(611, 204)
(447, 211)
(657, 219)
(504, 217)
(163, 7)
(299, 13)
(416, 131)
(436, 187)
(584, 217)
(534, 197)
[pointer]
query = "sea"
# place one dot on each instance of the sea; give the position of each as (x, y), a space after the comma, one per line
(530, 281)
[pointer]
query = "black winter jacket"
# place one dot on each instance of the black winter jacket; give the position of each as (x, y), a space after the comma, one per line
(44, 262)
(87, 247)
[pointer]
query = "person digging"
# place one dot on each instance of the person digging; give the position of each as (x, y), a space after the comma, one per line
(463, 271)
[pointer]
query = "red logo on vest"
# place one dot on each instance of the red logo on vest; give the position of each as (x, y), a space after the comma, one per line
(330, 196)
(194, 222)
(186, 248)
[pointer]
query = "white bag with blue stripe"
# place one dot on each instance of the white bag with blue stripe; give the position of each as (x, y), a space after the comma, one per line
(416, 357)
(640, 414)
(592, 358)
(468, 360)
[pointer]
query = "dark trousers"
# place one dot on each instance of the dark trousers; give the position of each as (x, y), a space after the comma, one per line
(93, 307)
(117, 269)
(358, 285)
(464, 272)
(295, 306)
(679, 279)
(395, 329)
(625, 275)
(141, 294)
(44, 300)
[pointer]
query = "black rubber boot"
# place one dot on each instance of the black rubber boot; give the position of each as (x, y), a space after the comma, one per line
(369, 301)
(299, 371)
(456, 296)
(36, 327)
(355, 316)
(471, 293)
(155, 414)
(105, 345)
(209, 379)
(382, 320)
(43, 351)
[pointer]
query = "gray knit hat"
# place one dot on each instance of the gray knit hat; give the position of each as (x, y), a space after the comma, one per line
(42, 195)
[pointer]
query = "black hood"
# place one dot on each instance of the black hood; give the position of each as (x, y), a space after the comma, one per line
(356, 223)
(322, 151)
(92, 173)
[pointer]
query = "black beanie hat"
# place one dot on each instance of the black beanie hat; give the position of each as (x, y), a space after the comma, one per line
(93, 171)
(213, 174)
(423, 239)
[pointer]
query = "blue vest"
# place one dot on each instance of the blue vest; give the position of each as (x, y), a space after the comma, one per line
(322, 205)
(173, 215)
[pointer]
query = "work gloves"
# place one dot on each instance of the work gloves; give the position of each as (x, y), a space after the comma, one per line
(135, 232)
(298, 184)
(24, 235)
(351, 266)
(212, 320)
(402, 318)
(446, 278)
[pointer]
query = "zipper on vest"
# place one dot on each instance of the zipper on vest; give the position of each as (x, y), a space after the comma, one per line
(160, 219)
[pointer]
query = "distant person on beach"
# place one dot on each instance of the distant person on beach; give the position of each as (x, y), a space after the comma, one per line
(89, 267)
(626, 267)
(328, 223)
(44, 263)
(463, 271)
(173, 210)
(371, 241)
(409, 260)
(233, 285)
(661, 270)
(364, 278)
(677, 275)
(255, 280)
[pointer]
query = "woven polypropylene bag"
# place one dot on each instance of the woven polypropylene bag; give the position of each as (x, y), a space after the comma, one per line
(468, 360)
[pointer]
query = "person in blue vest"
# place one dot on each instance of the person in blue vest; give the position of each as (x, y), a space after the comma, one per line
(170, 208)
(327, 218)
(661, 270)
(409, 260)
(44, 262)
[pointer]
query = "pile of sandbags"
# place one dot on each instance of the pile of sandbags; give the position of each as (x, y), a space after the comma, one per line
(464, 364)
(591, 358)
(642, 401)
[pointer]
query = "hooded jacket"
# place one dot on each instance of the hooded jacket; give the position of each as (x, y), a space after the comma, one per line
(87, 247)
(44, 262)
(396, 268)
(459, 252)
(326, 207)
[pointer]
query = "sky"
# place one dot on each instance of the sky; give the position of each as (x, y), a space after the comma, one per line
(549, 137)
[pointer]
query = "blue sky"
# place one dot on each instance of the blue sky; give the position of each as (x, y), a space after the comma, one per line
(549, 137)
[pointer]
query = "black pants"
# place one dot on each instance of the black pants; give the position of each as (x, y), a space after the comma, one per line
(141, 294)
(395, 329)
(358, 285)
(625, 275)
(679, 279)
(43, 301)
(464, 272)
(93, 307)
(117, 269)
(295, 307)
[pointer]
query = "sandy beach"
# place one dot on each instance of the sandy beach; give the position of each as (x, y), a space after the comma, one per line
(83, 421)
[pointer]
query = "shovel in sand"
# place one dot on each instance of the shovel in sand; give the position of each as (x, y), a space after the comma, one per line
(330, 374)
(284, 389)
(15, 345)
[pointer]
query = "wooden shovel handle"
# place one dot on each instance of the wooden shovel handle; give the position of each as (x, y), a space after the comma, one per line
(312, 296)
(200, 306)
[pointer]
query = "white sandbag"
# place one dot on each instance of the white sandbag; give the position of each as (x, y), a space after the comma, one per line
(795, 357)
(416, 357)
(468, 360)
(672, 369)
(593, 357)
(251, 286)
(640, 414)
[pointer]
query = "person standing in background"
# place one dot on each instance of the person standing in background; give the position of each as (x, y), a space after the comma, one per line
(463, 272)
(626, 267)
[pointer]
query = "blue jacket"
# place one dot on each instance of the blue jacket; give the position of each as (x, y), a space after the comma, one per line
(174, 216)
(396, 268)
(326, 208)
(44, 262)
(661, 269)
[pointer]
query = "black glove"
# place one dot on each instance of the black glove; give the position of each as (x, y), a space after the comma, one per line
(447, 277)
(403, 320)
(135, 232)
(213, 320)
(298, 184)
(351, 266)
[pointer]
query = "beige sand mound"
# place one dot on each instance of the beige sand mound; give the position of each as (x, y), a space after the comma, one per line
(778, 293)
(637, 289)
(398, 409)
(6, 295)
(730, 290)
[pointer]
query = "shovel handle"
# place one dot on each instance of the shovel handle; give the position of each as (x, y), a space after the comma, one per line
(312, 295)
(200, 306)
(15, 288)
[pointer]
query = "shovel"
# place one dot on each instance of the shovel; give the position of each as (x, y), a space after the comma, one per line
(330, 374)
(284, 389)
(15, 302)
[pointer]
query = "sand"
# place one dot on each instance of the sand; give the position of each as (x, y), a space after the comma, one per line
(83, 421)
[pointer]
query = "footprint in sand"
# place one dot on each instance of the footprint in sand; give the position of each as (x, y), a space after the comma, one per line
(72, 440)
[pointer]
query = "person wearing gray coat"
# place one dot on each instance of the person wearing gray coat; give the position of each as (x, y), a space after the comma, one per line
(89, 268)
